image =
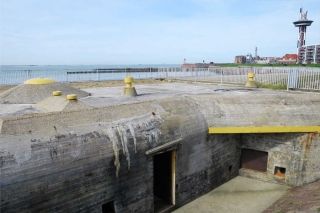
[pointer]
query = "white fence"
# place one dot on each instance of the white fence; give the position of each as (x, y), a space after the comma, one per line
(292, 77)
(15, 77)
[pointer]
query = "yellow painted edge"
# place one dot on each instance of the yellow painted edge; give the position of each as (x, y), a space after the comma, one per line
(262, 129)
(40, 81)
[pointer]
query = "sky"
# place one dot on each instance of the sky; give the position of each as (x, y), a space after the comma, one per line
(119, 32)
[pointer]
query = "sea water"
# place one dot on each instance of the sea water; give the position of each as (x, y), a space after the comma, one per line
(83, 67)
(17, 74)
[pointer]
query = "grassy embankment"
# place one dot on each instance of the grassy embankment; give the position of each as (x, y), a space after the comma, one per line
(301, 80)
(271, 86)
(269, 65)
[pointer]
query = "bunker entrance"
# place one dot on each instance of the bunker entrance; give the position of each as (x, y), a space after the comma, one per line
(254, 160)
(163, 181)
(108, 207)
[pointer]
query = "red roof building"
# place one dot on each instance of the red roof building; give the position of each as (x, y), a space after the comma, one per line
(288, 59)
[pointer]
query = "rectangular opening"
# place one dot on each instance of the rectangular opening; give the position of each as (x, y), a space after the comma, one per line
(254, 160)
(280, 171)
(108, 207)
(164, 180)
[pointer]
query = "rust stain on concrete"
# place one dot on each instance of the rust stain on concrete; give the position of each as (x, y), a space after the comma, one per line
(309, 140)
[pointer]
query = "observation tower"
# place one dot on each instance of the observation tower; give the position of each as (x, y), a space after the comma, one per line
(302, 23)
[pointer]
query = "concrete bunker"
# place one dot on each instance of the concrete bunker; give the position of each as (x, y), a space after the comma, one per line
(36, 90)
(67, 156)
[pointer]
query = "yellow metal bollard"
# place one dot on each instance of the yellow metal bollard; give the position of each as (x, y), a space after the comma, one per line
(129, 90)
(56, 93)
(72, 97)
(128, 81)
(251, 82)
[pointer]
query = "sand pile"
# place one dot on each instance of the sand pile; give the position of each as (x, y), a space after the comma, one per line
(60, 103)
(34, 93)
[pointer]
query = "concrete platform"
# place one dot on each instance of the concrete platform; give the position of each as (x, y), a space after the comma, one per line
(107, 96)
(112, 95)
(241, 195)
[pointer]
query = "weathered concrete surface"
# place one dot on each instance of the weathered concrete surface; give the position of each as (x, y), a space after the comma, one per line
(60, 103)
(59, 163)
(297, 152)
(9, 110)
(76, 161)
(33, 93)
(241, 195)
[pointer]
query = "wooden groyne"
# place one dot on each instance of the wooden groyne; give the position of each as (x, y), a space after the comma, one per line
(114, 70)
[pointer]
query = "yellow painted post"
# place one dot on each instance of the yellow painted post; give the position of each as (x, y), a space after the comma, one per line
(56, 93)
(72, 97)
(128, 81)
(128, 90)
(251, 82)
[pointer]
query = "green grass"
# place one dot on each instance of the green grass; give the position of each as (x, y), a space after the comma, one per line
(271, 86)
(318, 209)
(268, 65)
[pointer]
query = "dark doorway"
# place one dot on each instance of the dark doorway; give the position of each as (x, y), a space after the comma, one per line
(163, 180)
(108, 207)
(253, 159)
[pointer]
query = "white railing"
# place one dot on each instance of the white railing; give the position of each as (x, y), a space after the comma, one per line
(15, 77)
(292, 77)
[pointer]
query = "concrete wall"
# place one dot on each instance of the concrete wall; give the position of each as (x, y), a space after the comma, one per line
(77, 167)
(297, 152)
(204, 165)
(77, 161)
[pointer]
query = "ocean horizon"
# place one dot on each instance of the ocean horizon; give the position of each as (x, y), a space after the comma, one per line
(83, 67)
(17, 74)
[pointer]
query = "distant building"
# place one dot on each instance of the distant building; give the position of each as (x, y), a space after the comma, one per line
(197, 65)
(262, 60)
(249, 58)
(187, 65)
(267, 60)
(240, 59)
(302, 23)
(288, 59)
(256, 53)
(310, 54)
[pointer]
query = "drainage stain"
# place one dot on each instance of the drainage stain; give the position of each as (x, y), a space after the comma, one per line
(233, 90)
